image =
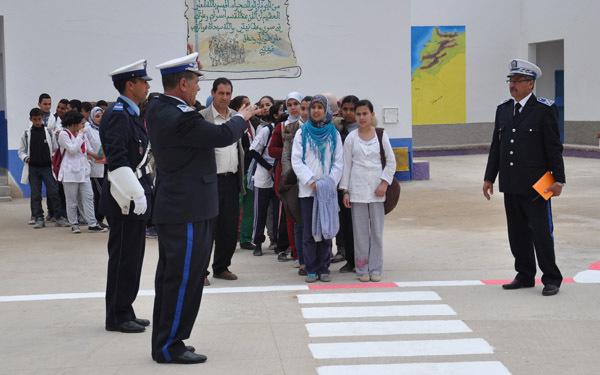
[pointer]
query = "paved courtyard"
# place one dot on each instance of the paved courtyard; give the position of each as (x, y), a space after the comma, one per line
(438, 310)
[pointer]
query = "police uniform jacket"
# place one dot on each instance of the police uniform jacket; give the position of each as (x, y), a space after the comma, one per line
(523, 150)
(183, 145)
(124, 140)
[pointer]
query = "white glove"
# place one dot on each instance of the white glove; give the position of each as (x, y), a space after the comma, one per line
(140, 205)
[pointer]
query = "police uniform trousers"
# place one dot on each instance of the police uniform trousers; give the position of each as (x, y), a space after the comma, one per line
(529, 221)
(226, 228)
(126, 243)
(184, 253)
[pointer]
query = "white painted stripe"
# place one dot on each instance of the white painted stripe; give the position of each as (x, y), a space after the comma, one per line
(588, 277)
(368, 297)
(150, 293)
(407, 348)
(408, 284)
(448, 368)
(256, 289)
(375, 311)
(415, 327)
(51, 297)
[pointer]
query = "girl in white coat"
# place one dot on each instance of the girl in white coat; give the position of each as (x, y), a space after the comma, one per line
(365, 183)
(74, 171)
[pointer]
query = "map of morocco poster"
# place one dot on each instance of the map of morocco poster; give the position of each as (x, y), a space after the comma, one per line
(246, 39)
(438, 65)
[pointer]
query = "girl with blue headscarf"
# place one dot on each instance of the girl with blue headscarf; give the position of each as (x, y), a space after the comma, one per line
(317, 159)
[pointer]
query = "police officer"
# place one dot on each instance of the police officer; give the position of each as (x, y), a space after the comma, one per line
(125, 196)
(525, 145)
(186, 203)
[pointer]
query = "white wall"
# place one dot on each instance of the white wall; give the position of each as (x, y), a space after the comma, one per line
(492, 32)
(576, 23)
(549, 55)
(67, 48)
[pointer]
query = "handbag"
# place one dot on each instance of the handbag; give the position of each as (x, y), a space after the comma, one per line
(392, 194)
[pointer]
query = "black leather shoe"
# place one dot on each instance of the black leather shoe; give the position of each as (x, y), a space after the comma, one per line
(347, 268)
(247, 246)
(517, 284)
(188, 358)
(190, 348)
(142, 322)
(257, 251)
(127, 327)
(550, 290)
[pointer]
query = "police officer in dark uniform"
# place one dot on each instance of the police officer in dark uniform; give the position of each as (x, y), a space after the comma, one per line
(526, 145)
(125, 196)
(186, 203)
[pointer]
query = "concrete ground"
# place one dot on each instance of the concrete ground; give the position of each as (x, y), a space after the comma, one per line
(442, 229)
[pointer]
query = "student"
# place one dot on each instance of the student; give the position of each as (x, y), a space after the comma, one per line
(247, 199)
(37, 147)
(286, 226)
(365, 183)
(74, 172)
(317, 161)
(345, 237)
(92, 133)
(263, 177)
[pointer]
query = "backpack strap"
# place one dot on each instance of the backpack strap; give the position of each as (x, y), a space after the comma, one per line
(379, 132)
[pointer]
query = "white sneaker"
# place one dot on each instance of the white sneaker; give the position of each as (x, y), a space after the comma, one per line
(75, 229)
(296, 263)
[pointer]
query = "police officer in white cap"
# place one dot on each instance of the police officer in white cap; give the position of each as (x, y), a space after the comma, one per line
(526, 145)
(125, 195)
(186, 202)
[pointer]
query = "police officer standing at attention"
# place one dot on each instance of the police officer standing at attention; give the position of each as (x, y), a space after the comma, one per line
(186, 203)
(125, 196)
(525, 145)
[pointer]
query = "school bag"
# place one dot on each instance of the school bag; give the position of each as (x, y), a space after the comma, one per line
(392, 194)
(57, 158)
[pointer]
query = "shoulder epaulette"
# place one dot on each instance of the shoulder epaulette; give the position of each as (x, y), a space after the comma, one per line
(506, 101)
(118, 107)
(185, 108)
(545, 101)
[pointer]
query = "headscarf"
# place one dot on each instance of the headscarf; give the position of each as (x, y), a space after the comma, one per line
(93, 114)
(321, 135)
(298, 97)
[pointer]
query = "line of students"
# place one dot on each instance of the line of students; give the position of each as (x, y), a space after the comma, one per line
(300, 158)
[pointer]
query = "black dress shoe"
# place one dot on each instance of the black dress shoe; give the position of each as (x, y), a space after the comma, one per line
(190, 348)
(346, 268)
(127, 327)
(188, 358)
(550, 290)
(142, 322)
(247, 246)
(517, 284)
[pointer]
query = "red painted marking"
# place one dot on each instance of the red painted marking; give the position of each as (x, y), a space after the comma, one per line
(595, 266)
(352, 286)
(568, 280)
(495, 282)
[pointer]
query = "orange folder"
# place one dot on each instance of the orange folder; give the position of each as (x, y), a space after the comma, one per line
(544, 183)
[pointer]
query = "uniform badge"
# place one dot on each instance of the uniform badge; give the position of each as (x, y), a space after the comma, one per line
(185, 108)
(513, 64)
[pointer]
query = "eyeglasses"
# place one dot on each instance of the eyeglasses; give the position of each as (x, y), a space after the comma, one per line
(517, 80)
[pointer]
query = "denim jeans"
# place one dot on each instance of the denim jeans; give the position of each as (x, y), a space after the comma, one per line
(37, 176)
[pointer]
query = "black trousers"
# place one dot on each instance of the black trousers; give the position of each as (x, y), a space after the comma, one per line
(183, 256)
(317, 255)
(262, 198)
(346, 230)
(529, 221)
(283, 242)
(226, 224)
(97, 183)
(126, 244)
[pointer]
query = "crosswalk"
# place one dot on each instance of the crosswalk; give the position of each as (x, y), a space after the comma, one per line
(372, 326)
